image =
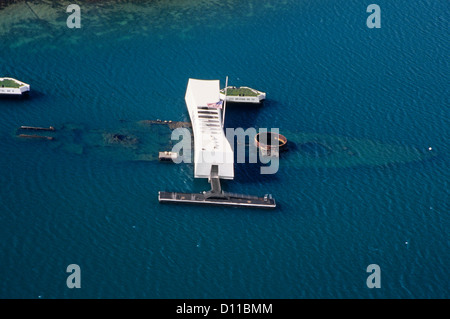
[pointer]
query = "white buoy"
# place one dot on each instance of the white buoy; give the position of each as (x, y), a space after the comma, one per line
(430, 149)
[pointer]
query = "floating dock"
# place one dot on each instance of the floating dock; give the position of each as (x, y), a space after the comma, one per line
(227, 199)
(167, 156)
(217, 197)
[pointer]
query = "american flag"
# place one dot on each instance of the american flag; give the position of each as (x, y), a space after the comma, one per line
(216, 105)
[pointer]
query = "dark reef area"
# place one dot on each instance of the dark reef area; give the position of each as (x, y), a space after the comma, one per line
(54, 3)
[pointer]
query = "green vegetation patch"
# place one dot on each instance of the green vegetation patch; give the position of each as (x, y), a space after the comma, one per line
(10, 84)
(240, 92)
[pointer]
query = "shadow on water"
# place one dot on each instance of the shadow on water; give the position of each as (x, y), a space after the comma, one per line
(15, 97)
(250, 173)
(242, 114)
(312, 149)
(35, 94)
(32, 95)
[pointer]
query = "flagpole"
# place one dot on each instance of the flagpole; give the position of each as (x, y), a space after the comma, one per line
(224, 102)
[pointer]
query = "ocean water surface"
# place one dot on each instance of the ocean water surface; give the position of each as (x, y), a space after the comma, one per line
(378, 98)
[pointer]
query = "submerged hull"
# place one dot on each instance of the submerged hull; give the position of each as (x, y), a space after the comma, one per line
(330, 151)
(142, 141)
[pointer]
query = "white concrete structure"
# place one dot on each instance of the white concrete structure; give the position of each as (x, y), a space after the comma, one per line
(5, 90)
(260, 96)
(211, 147)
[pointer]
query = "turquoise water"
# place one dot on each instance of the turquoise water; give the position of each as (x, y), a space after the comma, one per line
(75, 200)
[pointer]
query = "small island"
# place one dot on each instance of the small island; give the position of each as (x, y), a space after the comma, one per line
(243, 94)
(10, 86)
